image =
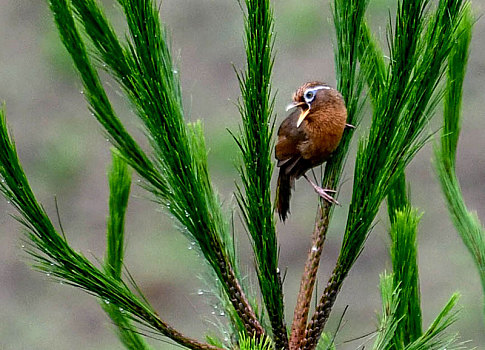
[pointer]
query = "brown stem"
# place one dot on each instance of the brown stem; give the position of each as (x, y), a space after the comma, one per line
(239, 300)
(278, 325)
(308, 279)
(322, 312)
(172, 333)
(280, 336)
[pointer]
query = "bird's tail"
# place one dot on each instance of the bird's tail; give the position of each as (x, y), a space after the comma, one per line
(283, 193)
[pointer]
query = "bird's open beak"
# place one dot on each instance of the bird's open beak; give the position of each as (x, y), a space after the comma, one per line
(294, 105)
(302, 116)
(303, 112)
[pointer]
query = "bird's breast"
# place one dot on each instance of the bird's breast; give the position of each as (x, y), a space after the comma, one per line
(322, 138)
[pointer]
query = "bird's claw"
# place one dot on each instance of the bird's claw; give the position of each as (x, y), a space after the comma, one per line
(323, 193)
(350, 126)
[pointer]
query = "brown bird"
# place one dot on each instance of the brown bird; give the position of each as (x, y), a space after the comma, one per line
(307, 138)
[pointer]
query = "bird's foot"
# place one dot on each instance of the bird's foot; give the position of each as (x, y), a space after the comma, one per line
(323, 192)
(350, 126)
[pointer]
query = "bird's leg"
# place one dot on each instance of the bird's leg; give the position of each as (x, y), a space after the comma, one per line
(323, 192)
(314, 175)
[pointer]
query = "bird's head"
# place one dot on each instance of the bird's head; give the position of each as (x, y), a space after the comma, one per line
(309, 97)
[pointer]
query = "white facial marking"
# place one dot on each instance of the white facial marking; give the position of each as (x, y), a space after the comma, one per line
(321, 87)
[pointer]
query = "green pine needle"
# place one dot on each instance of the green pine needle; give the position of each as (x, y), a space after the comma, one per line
(466, 222)
(251, 343)
(119, 177)
(53, 255)
(404, 228)
(97, 98)
(425, 39)
(401, 113)
(419, 46)
(372, 62)
(256, 144)
(389, 318)
(178, 175)
(348, 19)
(177, 171)
(434, 338)
(326, 342)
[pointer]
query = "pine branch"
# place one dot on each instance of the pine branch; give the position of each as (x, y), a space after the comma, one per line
(397, 199)
(54, 256)
(247, 343)
(434, 338)
(389, 319)
(404, 221)
(404, 227)
(307, 284)
(348, 17)
(119, 177)
(371, 60)
(403, 93)
(97, 98)
(419, 49)
(179, 179)
(401, 315)
(466, 222)
(256, 144)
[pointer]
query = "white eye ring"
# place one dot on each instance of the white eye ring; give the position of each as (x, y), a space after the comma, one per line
(310, 94)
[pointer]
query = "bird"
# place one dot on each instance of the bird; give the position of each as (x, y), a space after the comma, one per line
(307, 138)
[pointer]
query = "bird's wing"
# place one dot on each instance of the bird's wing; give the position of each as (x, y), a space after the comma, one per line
(289, 139)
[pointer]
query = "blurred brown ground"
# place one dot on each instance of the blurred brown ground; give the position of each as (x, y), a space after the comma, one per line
(65, 155)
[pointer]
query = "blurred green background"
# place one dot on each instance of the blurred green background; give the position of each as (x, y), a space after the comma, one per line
(66, 155)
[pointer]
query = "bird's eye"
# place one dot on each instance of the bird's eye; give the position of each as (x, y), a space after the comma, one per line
(309, 96)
